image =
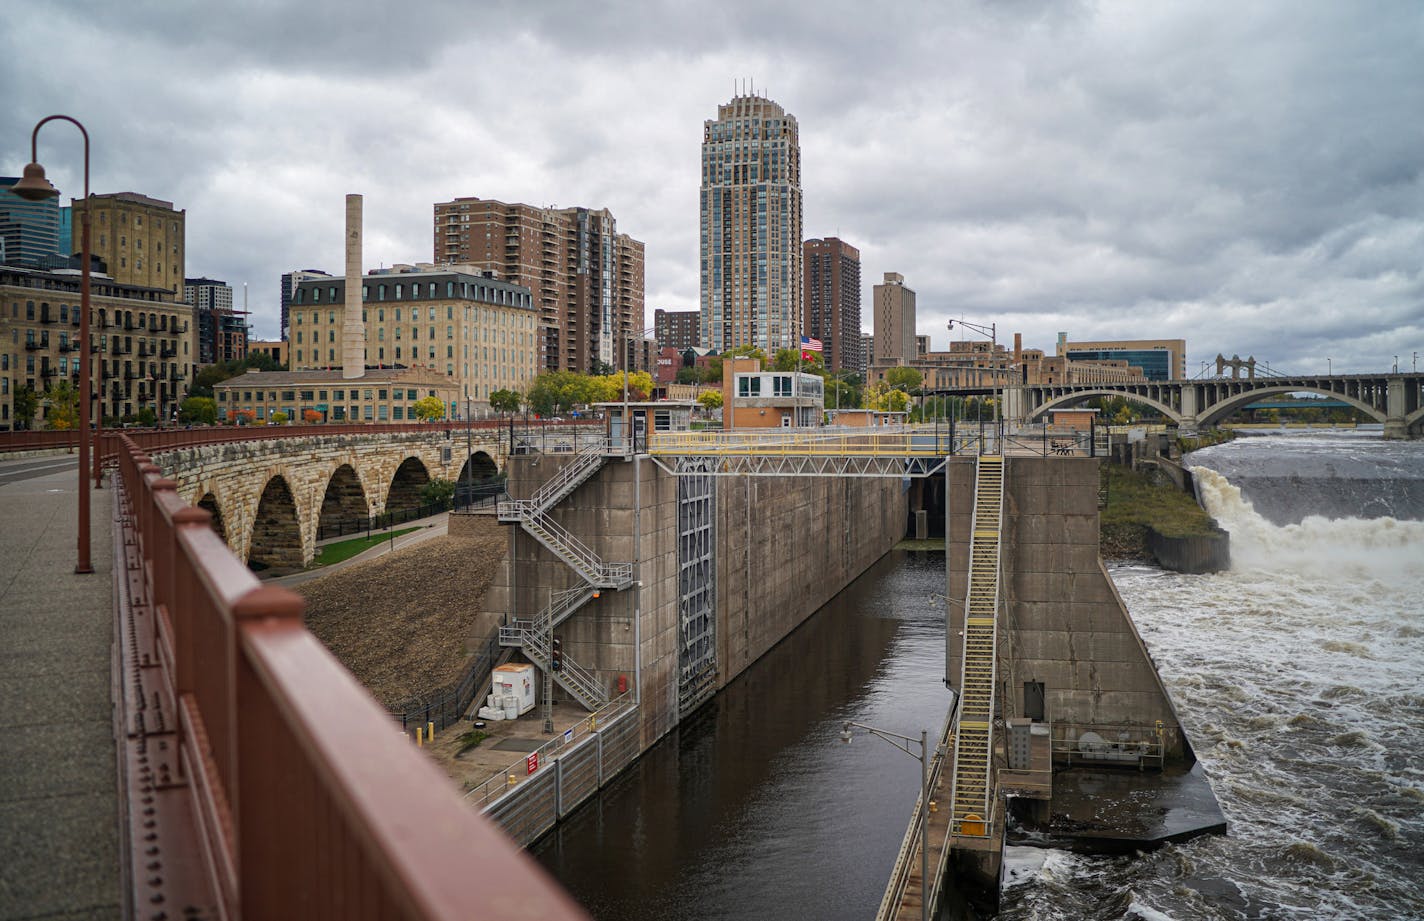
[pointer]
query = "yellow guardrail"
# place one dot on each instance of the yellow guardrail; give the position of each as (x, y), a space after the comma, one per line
(921, 443)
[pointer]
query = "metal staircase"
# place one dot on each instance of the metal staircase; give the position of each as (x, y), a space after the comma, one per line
(973, 742)
(532, 636)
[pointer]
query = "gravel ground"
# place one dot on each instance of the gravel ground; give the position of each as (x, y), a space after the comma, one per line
(399, 622)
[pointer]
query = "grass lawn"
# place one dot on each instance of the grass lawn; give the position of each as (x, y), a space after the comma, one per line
(345, 549)
(1134, 500)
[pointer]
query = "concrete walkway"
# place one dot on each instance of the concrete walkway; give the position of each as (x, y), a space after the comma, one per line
(59, 825)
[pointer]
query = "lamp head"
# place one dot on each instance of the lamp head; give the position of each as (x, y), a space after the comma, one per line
(34, 186)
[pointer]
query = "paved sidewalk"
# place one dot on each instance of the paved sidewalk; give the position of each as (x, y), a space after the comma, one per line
(59, 830)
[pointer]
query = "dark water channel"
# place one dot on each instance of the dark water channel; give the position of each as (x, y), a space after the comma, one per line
(754, 808)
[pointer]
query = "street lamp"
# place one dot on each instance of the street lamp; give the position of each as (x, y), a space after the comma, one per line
(1328, 370)
(35, 187)
(903, 743)
(992, 332)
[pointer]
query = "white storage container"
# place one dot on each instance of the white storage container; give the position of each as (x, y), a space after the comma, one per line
(516, 681)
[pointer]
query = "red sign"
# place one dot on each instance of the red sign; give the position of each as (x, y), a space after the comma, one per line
(532, 762)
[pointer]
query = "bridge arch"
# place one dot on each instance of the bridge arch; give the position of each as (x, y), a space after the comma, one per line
(276, 539)
(209, 502)
(478, 466)
(1211, 415)
(410, 477)
(344, 499)
(1082, 396)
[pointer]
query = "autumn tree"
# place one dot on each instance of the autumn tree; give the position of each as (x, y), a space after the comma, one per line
(428, 409)
(710, 399)
(63, 413)
(27, 403)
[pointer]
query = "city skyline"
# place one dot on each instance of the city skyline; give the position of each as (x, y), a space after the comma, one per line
(1243, 178)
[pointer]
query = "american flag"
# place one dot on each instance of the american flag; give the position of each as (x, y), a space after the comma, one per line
(810, 345)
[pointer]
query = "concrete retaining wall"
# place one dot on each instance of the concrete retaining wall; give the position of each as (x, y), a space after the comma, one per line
(1191, 554)
(1070, 630)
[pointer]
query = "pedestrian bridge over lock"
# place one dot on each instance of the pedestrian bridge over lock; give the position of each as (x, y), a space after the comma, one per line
(272, 498)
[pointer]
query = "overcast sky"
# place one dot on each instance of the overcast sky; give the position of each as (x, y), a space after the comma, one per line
(1244, 175)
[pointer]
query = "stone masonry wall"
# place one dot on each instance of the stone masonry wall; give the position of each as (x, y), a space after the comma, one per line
(236, 474)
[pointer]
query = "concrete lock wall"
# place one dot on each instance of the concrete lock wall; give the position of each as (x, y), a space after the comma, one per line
(785, 546)
(1066, 625)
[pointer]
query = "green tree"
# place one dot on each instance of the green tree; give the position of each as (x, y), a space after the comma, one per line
(147, 417)
(689, 375)
(437, 492)
(746, 351)
(429, 409)
(27, 403)
(63, 412)
(198, 410)
(212, 374)
(711, 373)
(505, 401)
(710, 399)
(279, 418)
(904, 378)
(640, 386)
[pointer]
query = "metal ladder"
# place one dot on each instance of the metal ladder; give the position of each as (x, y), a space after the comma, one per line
(973, 741)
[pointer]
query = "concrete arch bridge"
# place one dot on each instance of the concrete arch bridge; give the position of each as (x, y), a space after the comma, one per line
(1394, 400)
(269, 497)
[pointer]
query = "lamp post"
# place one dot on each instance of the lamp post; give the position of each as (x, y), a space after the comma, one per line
(35, 187)
(992, 332)
(903, 743)
(1328, 370)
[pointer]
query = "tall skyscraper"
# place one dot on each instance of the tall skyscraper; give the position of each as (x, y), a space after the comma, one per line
(221, 331)
(751, 227)
(586, 277)
(29, 230)
(832, 292)
(894, 306)
(140, 239)
(680, 329)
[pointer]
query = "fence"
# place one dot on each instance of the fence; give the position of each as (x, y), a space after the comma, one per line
(473, 497)
(293, 764)
(449, 703)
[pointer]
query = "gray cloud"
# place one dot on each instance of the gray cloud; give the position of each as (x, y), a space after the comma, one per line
(1244, 175)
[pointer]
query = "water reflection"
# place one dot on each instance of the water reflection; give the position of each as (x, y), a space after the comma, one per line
(754, 807)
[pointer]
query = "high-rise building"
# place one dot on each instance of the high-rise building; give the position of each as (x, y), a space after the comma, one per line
(140, 239)
(290, 280)
(680, 329)
(867, 349)
(585, 277)
(832, 309)
(221, 331)
(751, 227)
(894, 321)
(29, 230)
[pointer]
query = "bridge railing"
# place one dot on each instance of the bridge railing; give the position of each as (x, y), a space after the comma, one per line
(307, 796)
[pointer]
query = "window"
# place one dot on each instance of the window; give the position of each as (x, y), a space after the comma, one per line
(781, 385)
(338, 395)
(383, 394)
(399, 413)
(748, 386)
(382, 412)
(410, 395)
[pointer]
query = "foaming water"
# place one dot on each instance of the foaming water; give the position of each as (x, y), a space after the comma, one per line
(1300, 677)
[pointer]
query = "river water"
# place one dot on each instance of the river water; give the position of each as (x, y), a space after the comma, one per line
(1299, 675)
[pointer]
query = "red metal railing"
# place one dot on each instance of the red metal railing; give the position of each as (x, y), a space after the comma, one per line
(312, 804)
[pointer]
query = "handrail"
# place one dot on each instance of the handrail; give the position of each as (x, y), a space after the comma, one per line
(500, 782)
(571, 546)
(536, 646)
(904, 865)
(293, 756)
(572, 474)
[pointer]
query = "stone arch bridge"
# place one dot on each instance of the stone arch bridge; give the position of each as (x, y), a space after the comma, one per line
(1395, 400)
(270, 496)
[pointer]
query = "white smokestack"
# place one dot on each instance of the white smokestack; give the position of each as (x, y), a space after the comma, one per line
(353, 326)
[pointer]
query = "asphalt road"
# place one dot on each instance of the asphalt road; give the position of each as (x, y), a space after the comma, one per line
(28, 469)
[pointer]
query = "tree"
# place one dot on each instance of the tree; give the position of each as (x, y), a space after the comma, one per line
(746, 351)
(712, 371)
(277, 418)
(904, 378)
(311, 416)
(428, 409)
(212, 374)
(710, 399)
(437, 492)
(27, 403)
(147, 417)
(63, 413)
(881, 397)
(200, 410)
(505, 401)
(689, 375)
(640, 386)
